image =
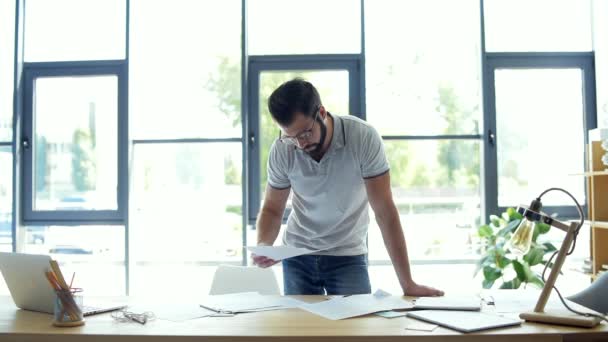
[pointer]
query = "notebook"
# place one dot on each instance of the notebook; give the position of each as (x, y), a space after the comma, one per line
(464, 321)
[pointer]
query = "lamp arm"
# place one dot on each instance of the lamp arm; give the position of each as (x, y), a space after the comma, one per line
(562, 226)
(571, 231)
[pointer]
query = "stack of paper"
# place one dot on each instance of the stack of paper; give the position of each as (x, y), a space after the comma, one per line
(357, 305)
(247, 302)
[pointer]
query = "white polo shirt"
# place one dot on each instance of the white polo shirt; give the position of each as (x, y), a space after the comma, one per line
(330, 206)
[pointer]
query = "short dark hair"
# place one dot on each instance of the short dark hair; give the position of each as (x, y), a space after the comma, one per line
(292, 97)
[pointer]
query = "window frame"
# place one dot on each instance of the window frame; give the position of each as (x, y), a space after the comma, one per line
(531, 60)
(32, 71)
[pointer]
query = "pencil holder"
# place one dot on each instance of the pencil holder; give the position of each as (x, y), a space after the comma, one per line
(67, 311)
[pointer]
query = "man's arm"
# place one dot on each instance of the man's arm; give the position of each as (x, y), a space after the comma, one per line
(269, 221)
(381, 200)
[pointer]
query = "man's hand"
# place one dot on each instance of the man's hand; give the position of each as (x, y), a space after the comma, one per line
(263, 261)
(415, 290)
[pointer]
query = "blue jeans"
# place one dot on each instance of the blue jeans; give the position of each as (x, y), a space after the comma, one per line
(318, 274)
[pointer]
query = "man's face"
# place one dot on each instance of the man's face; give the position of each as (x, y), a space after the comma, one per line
(307, 133)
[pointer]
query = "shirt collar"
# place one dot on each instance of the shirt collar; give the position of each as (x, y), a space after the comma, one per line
(338, 139)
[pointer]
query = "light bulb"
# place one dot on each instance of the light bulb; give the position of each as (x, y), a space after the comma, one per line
(522, 239)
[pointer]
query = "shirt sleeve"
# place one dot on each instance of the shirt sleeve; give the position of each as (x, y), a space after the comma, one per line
(373, 157)
(277, 168)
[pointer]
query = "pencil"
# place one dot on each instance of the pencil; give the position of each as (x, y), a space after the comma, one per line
(59, 275)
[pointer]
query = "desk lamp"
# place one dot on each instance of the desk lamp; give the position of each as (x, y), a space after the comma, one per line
(520, 245)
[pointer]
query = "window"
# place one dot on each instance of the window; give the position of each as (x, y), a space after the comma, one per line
(169, 144)
(75, 162)
(186, 152)
(600, 45)
(186, 203)
(185, 75)
(528, 105)
(95, 255)
(6, 199)
(7, 44)
(74, 170)
(279, 27)
(423, 96)
(7, 38)
(540, 25)
(71, 30)
(425, 81)
(526, 94)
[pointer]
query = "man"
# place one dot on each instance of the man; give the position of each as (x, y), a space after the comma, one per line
(335, 166)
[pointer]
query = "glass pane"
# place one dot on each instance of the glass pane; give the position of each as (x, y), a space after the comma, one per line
(427, 82)
(541, 25)
(304, 27)
(6, 199)
(185, 75)
(600, 45)
(95, 255)
(332, 87)
(435, 185)
(7, 57)
(536, 150)
(75, 143)
(70, 30)
(186, 203)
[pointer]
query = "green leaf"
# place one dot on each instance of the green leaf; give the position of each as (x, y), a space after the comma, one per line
(513, 214)
(496, 252)
(543, 227)
(522, 270)
(549, 247)
(511, 284)
(487, 284)
(534, 256)
(491, 273)
(509, 228)
(484, 231)
(495, 220)
(537, 281)
(481, 263)
(503, 262)
(536, 233)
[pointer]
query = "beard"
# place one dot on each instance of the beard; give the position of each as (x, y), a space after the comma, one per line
(314, 150)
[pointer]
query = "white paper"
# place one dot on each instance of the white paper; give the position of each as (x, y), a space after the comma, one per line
(175, 312)
(280, 252)
(513, 301)
(356, 305)
(182, 313)
(420, 326)
(448, 303)
(391, 314)
(247, 302)
(381, 293)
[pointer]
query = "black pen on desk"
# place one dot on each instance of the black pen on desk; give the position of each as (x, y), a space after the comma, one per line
(219, 311)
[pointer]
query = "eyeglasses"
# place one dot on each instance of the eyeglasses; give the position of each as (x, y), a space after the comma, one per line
(303, 136)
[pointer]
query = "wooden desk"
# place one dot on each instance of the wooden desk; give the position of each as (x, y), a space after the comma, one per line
(283, 325)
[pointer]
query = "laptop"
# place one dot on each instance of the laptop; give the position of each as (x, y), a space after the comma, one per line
(24, 276)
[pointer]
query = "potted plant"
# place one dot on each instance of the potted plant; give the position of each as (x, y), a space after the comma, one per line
(498, 264)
